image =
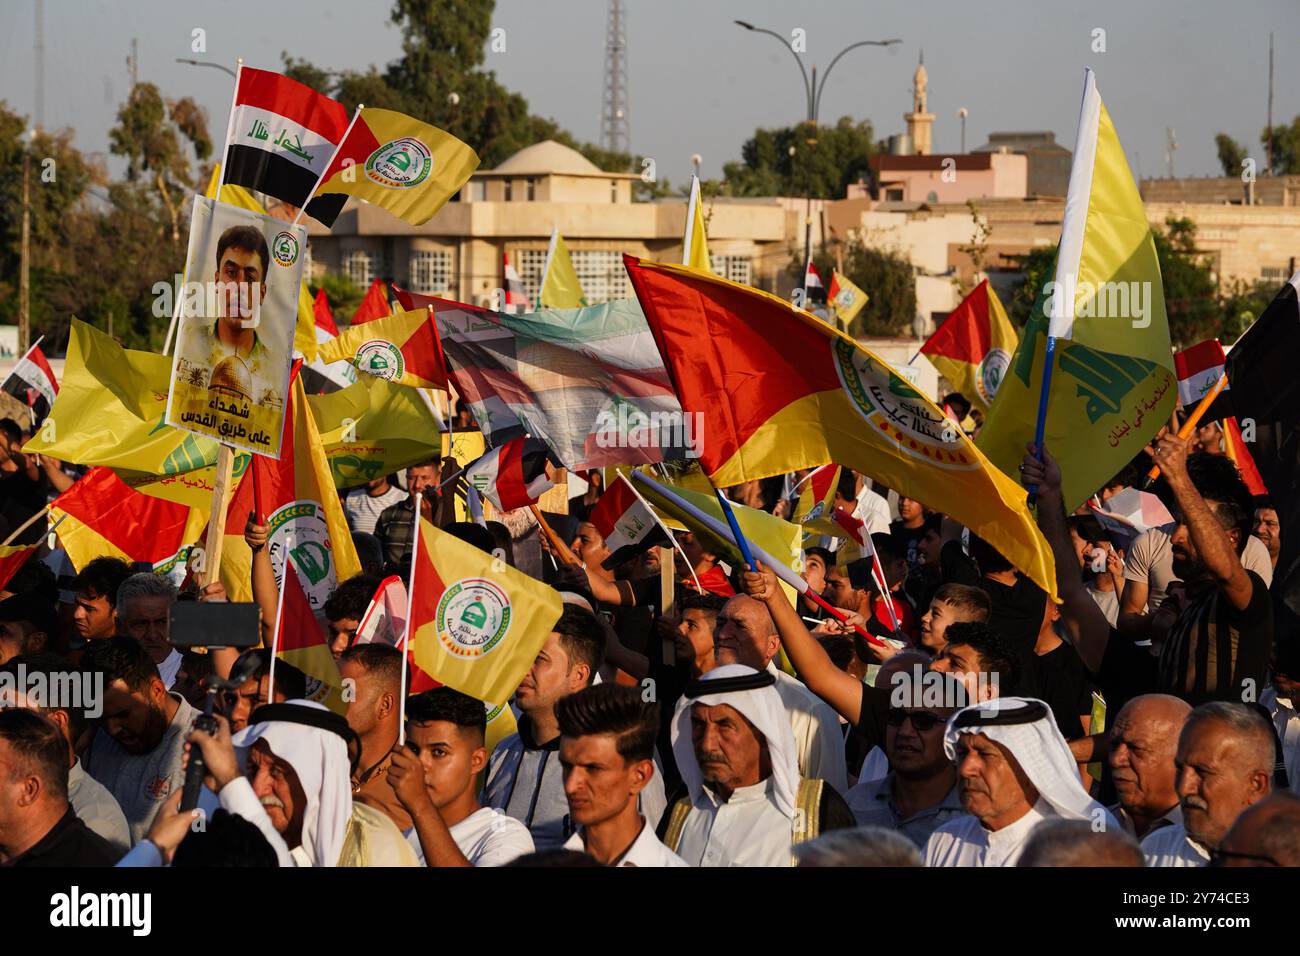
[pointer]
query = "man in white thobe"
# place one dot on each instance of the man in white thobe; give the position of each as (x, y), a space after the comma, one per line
(1015, 771)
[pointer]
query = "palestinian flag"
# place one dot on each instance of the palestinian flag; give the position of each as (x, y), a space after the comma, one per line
(627, 523)
(12, 558)
(402, 348)
(280, 139)
(105, 516)
(391, 160)
(516, 297)
(32, 382)
(512, 475)
(812, 284)
(374, 305)
(300, 640)
(1199, 369)
(475, 622)
(972, 349)
(781, 390)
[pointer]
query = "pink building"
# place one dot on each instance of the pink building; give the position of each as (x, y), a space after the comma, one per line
(952, 178)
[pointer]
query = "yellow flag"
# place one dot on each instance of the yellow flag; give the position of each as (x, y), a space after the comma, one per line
(477, 622)
(695, 244)
(304, 333)
(845, 298)
(560, 286)
(373, 428)
(1113, 383)
(402, 348)
(394, 161)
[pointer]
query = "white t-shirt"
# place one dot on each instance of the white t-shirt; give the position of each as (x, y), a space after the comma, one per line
(363, 509)
(1171, 846)
(487, 837)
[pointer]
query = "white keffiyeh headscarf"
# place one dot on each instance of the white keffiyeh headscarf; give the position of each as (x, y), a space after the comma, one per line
(762, 707)
(320, 759)
(1025, 726)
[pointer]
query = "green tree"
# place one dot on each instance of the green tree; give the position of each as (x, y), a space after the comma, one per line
(790, 162)
(1231, 154)
(886, 277)
(344, 295)
(1286, 148)
(156, 137)
(1036, 266)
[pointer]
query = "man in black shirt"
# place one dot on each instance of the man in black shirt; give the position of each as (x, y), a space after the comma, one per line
(37, 825)
(1218, 646)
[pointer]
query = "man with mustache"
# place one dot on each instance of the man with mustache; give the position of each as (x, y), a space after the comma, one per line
(746, 804)
(1142, 746)
(1016, 771)
(1225, 764)
(746, 634)
(136, 753)
(287, 773)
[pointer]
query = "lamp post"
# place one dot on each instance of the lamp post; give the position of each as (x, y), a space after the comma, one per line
(215, 66)
(961, 115)
(812, 101)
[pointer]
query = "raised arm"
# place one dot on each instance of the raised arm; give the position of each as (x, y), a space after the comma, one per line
(841, 690)
(1212, 543)
(1084, 622)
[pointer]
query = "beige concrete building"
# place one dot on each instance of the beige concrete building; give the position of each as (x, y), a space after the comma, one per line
(512, 210)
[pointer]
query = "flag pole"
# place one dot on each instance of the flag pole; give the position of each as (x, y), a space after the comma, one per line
(26, 355)
(691, 205)
(275, 634)
(546, 268)
(567, 556)
(404, 643)
(225, 149)
(1189, 426)
(31, 521)
(326, 168)
(737, 536)
(1049, 359)
(672, 538)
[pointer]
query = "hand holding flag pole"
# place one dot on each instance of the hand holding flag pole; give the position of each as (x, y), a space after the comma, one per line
(562, 549)
(1189, 426)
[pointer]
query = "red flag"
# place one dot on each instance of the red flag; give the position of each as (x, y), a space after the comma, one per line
(324, 317)
(12, 558)
(374, 305)
(107, 516)
(1241, 456)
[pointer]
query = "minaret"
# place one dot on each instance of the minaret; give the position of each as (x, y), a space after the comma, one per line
(919, 122)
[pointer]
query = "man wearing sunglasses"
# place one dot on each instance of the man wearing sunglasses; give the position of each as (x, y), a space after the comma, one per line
(919, 793)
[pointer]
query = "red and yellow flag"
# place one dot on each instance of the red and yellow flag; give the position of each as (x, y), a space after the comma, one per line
(973, 347)
(391, 160)
(476, 624)
(781, 390)
(12, 558)
(300, 640)
(403, 348)
(817, 501)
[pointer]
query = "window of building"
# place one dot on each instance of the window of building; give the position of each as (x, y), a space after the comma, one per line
(430, 272)
(1274, 273)
(532, 189)
(600, 272)
(530, 263)
(362, 267)
(893, 195)
(478, 190)
(509, 191)
(613, 191)
(736, 268)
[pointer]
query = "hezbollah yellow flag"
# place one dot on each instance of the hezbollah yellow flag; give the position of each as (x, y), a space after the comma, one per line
(373, 428)
(304, 333)
(845, 298)
(109, 411)
(560, 286)
(391, 160)
(1113, 383)
(477, 623)
(973, 346)
(402, 348)
(695, 244)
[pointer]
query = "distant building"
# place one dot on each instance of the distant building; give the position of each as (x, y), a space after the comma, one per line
(920, 123)
(1049, 161)
(1228, 190)
(950, 178)
(513, 208)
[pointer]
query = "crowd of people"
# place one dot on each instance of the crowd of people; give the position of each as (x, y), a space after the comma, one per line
(957, 716)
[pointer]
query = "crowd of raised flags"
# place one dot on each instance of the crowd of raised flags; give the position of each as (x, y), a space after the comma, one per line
(677, 406)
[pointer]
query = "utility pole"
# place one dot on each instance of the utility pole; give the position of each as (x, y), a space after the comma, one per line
(24, 290)
(133, 62)
(40, 65)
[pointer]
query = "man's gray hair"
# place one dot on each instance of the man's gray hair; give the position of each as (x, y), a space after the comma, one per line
(146, 584)
(1061, 842)
(1243, 722)
(861, 846)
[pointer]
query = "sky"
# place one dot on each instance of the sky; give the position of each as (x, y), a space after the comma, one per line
(700, 84)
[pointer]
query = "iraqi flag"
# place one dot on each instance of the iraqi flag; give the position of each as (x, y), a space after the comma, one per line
(281, 137)
(32, 382)
(340, 374)
(512, 475)
(384, 621)
(516, 297)
(626, 522)
(812, 284)
(1199, 369)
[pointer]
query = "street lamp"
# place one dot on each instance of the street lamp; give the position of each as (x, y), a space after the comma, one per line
(961, 115)
(215, 66)
(812, 101)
